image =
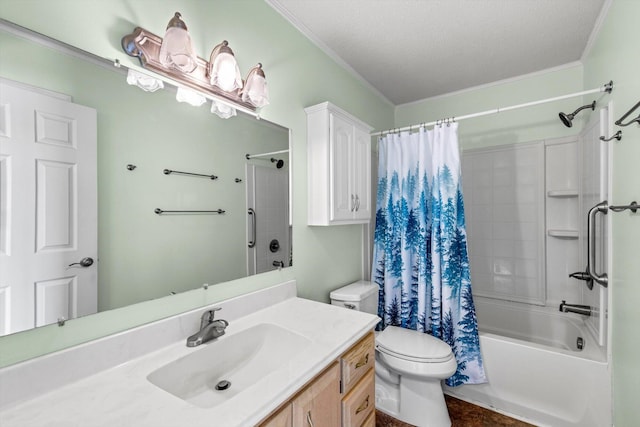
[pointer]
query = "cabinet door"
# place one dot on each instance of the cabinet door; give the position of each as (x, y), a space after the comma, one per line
(282, 418)
(361, 176)
(341, 141)
(319, 404)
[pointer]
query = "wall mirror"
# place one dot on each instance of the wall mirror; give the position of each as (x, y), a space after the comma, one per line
(152, 156)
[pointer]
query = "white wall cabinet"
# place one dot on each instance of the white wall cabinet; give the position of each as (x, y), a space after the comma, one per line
(339, 167)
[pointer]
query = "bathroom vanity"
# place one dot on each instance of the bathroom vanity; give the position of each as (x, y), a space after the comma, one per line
(287, 360)
(344, 394)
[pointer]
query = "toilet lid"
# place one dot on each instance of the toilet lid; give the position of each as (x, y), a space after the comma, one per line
(412, 345)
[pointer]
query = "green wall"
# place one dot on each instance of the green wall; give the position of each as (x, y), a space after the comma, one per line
(298, 74)
(523, 125)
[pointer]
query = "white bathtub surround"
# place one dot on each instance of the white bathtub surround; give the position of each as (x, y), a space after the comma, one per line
(107, 395)
(544, 380)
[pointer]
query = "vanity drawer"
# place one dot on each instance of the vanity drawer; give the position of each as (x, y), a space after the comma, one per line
(357, 361)
(370, 421)
(360, 403)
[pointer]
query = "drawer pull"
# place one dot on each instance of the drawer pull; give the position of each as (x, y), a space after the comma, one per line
(309, 420)
(363, 406)
(363, 361)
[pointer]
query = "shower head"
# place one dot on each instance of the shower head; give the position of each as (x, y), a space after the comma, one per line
(279, 162)
(567, 119)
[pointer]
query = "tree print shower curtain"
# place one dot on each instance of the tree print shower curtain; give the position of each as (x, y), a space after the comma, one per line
(420, 259)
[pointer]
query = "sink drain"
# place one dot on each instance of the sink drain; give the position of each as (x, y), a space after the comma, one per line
(223, 385)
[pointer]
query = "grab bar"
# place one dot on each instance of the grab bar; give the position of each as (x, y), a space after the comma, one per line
(162, 211)
(602, 207)
(602, 279)
(169, 172)
(252, 214)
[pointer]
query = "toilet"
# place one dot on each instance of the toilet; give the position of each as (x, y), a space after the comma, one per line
(409, 364)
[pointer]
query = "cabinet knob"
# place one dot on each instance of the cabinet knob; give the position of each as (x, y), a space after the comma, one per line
(309, 420)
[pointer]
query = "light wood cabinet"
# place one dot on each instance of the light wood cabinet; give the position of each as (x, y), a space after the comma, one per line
(339, 167)
(282, 418)
(319, 403)
(357, 361)
(358, 404)
(343, 394)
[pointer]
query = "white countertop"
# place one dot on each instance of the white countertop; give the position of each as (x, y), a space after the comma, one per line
(122, 395)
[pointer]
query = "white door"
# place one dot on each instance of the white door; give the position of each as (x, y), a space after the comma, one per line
(48, 207)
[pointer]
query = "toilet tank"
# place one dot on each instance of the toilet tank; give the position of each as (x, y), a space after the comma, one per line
(361, 295)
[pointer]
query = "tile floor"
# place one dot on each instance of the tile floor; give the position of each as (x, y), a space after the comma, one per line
(462, 414)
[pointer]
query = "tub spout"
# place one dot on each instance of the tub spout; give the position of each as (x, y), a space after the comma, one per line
(585, 310)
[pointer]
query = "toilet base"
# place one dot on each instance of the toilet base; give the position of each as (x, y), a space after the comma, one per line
(414, 401)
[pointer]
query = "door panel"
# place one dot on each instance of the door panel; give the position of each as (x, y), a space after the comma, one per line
(361, 173)
(340, 147)
(56, 221)
(56, 299)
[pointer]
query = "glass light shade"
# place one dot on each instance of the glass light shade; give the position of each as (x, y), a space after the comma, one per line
(255, 90)
(223, 110)
(224, 71)
(190, 97)
(176, 50)
(143, 81)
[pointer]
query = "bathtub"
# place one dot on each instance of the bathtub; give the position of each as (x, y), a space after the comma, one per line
(536, 371)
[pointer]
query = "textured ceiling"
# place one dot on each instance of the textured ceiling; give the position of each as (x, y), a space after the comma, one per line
(414, 49)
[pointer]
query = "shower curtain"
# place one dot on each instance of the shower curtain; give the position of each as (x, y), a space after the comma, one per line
(420, 259)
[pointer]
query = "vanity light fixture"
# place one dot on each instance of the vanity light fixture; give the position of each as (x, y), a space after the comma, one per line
(223, 68)
(255, 89)
(189, 96)
(174, 61)
(143, 81)
(176, 50)
(224, 111)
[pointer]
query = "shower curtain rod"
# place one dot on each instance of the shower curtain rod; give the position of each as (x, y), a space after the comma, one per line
(251, 156)
(608, 87)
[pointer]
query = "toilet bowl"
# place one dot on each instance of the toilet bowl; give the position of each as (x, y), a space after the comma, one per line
(410, 365)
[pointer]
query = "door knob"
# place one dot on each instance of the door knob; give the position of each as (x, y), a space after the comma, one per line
(84, 262)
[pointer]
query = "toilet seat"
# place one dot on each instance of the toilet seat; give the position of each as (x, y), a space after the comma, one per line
(413, 346)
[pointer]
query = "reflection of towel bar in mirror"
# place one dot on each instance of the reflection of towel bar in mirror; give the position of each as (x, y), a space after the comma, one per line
(161, 211)
(169, 172)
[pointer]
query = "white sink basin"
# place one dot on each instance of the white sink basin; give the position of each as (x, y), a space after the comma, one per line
(242, 359)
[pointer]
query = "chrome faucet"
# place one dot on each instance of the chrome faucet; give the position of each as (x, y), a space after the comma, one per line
(585, 310)
(209, 328)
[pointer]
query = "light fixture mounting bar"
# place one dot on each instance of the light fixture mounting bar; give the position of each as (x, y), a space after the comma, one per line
(146, 47)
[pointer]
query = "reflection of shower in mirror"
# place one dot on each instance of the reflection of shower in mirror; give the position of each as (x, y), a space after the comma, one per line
(268, 227)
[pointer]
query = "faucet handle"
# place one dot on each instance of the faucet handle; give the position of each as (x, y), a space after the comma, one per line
(208, 316)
